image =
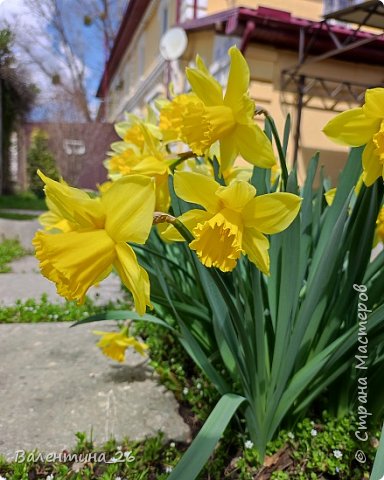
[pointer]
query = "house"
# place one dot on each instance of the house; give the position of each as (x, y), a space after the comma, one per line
(78, 148)
(309, 58)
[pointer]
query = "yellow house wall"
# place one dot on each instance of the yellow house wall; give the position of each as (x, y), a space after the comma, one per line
(266, 64)
(311, 9)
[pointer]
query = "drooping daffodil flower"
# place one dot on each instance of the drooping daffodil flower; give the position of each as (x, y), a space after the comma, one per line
(100, 229)
(114, 344)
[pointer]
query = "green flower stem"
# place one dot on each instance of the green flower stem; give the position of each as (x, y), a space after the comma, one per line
(182, 157)
(160, 217)
(284, 170)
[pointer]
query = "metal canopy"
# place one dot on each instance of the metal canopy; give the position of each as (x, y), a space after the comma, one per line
(332, 92)
(369, 14)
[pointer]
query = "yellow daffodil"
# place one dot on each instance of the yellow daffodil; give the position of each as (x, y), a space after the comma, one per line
(234, 221)
(363, 126)
(331, 193)
(114, 344)
(53, 221)
(82, 257)
(330, 196)
(130, 130)
(152, 161)
(205, 116)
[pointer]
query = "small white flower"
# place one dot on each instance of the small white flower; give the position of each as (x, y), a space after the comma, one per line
(168, 469)
(291, 435)
(2, 478)
(172, 444)
(119, 448)
(50, 477)
(198, 386)
(312, 423)
(185, 391)
(248, 444)
(337, 454)
(117, 478)
(313, 432)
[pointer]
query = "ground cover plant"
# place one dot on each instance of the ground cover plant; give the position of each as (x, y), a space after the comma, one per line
(22, 201)
(318, 447)
(297, 454)
(271, 289)
(9, 250)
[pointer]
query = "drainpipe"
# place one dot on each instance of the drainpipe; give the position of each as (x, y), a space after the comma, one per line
(249, 28)
(300, 94)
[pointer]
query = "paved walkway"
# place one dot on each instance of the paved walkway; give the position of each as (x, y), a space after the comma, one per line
(55, 382)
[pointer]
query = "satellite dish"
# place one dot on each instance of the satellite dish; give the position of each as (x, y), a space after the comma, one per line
(173, 43)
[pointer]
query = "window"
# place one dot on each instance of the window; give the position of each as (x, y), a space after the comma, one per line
(334, 5)
(74, 147)
(189, 9)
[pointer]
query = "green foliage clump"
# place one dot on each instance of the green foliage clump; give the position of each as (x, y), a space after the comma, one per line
(40, 157)
(33, 311)
(9, 250)
(178, 372)
(24, 200)
(17, 98)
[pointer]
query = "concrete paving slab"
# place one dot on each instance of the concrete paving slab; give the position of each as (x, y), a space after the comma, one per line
(55, 382)
(24, 230)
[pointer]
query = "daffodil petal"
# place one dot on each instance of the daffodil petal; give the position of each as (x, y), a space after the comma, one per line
(371, 165)
(205, 87)
(330, 196)
(73, 204)
(236, 195)
(256, 246)
(254, 146)
(352, 127)
(374, 103)
(228, 152)
(113, 344)
(189, 219)
(75, 260)
(134, 277)
(271, 213)
(197, 188)
(201, 65)
(129, 204)
(162, 193)
(238, 79)
(150, 166)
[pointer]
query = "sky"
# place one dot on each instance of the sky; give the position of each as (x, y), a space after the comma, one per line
(37, 35)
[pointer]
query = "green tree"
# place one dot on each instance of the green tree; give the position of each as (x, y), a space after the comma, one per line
(16, 99)
(40, 157)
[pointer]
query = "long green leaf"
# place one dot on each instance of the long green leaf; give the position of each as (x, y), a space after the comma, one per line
(378, 465)
(123, 315)
(203, 445)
